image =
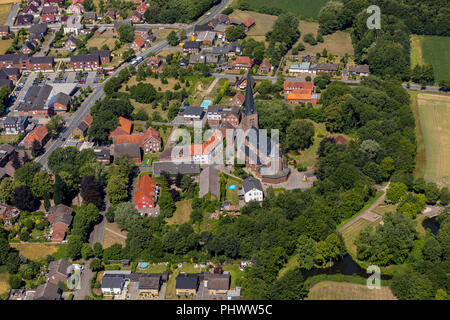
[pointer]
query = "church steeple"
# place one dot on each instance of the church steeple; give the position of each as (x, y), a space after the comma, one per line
(249, 104)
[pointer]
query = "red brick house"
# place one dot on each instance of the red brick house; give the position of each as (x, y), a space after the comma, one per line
(232, 116)
(39, 134)
(148, 141)
(60, 102)
(243, 63)
(124, 128)
(153, 61)
(289, 86)
(60, 217)
(142, 8)
(85, 61)
(137, 44)
(146, 193)
(265, 66)
(136, 16)
(105, 55)
(237, 100)
(59, 271)
(40, 63)
(248, 23)
(83, 127)
(48, 17)
(4, 31)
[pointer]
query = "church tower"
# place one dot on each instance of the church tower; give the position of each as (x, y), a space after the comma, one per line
(250, 115)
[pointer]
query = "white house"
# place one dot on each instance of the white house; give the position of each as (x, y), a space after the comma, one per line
(253, 190)
(113, 281)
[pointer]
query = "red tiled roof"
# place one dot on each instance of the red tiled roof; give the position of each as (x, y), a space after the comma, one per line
(145, 187)
(249, 22)
(139, 138)
(291, 85)
(139, 42)
(38, 133)
(123, 128)
(243, 60)
(88, 119)
(300, 94)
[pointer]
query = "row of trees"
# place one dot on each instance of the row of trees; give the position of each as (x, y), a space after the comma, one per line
(171, 11)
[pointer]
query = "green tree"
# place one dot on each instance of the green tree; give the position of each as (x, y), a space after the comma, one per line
(7, 187)
(172, 38)
(432, 193)
(306, 250)
(300, 134)
(126, 33)
(396, 192)
(86, 251)
(235, 33)
(98, 250)
(74, 246)
(42, 185)
(126, 215)
(96, 265)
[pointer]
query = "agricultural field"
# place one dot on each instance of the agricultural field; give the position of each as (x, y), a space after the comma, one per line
(4, 275)
(36, 250)
(330, 290)
(419, 170)
(429, 50)
(182, 213)
(434, 119)
(338, 43)
(5, 7)
(303, 8)
(263, 23)
(113, 235)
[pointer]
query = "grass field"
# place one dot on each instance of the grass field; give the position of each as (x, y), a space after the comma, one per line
(234, 272)
(263, 22)
(330, 290)
(434, 111)
(4, 45)
(35, 251)
(308, 157)
(304, 8)
(100, 40)
(351, 233)
(4, 275)
(113, 235)
(4, 11)
(182, 213)
(419, 170)
(430, 50)
(338, 43)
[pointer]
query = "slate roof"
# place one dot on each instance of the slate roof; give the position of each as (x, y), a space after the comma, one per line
(191, 45)
(131, 149)
(326, 67)
(218, 281)
(150, 283)
(200, 28)
(61, 98)
(60, 266)
(249, 104)
(209, 182)
(112, 281)
(193, 111)
(175, 168)
(363, 68)
(47, 291)
(187, 281)
(251, 183)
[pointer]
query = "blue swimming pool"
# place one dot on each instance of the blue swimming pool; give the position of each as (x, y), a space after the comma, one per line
(205, 104)
(232, 187)
(144, 265)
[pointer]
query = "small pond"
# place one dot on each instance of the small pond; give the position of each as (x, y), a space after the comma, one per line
(432, 224)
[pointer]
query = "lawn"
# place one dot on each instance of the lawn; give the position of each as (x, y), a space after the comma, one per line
(102, 39)
(4, 45)
(171, 290)
(330, 290)
(153, 268)
(4, 11)
(338, 43)
(182, 213)
(303, 8)
(234, 272)
(263, 22)
(113, 235)
(351, 233)
(35, 251)
(419, 170)
(429, 50)
(435, 124)
(290, 265)
(4, 275)
(308, 157)
(232, 195)
(6, 138)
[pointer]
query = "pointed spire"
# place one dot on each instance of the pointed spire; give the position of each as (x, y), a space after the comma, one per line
(249, 104)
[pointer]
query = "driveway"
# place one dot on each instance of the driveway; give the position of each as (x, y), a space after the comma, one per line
(12, 14)
(85, 283)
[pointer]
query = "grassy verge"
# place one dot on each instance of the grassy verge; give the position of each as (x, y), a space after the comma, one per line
(368, 204)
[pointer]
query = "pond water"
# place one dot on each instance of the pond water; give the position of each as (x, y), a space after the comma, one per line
(432, 224)
(346, 266)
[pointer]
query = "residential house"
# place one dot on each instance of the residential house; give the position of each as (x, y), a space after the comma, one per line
(111, 14)
(8, 213)
(265, 66)
(6, 82)
(243, 63)
(146, 193)
(112, 283)
(124, 128)
(187, 284)
(220, 19)
(35, 102)
(237, 100)
(51, 9)
(60, 102)
(192, 114)
(60, 217)
(149, 140)
(48, 18)
(24, 19)
(105, 55)
(174, 168)
(137, 44)
(248, 23)
(57, 2)
(150, 285)
(154, 61)
(131, 149)
(90, 17)
(299, 91)
(202, 28)
(103, 155)
(142, 8)
(360, 70)
(39, 134)
(209, 183)
(47, 291)
(146, 34)
(231, 115)
(4, 31)
(290, 86)
(27, 48)
(6, 151)
(206, 38)
(325, 67)
(191, 47)
(214, 114)
(59, 271)
(10, 73)
(83, 127)
(217, 283)
(75, 8)
(15, 125)
(71, 43)
(253, 190)
(85, 61)
(31, 10)
(304, 67)
(135, 16)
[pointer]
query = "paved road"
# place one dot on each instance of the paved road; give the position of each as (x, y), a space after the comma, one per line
(46, 46)
(12, 15)
(379, 201)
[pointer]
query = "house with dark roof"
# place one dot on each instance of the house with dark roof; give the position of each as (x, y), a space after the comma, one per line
(7, 82)
(34, 101)
(217, 283)
(253, 190)
(220, 19)
(325, 67)
(14, 125)
(59, 271)
(131, 149)
(60, 217)
(209, 182)
(71, 43)
(360, 70)
(40, 63)
(187, 284)
(27, 47)
(174, 168)
(24, 19)
(105, 55)
(85, 61)
(83, 127)
(202, 28)
(4, 31)
(193, 114)
(60, 102)
(90, 17)
(191, 47)
(112, 283)
(47, 291)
